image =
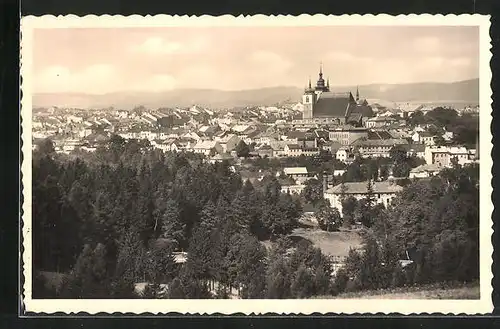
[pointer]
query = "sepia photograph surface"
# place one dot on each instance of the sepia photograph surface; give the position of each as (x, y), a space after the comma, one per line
(256, 164)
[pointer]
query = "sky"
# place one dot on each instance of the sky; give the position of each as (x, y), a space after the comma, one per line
(99, 61)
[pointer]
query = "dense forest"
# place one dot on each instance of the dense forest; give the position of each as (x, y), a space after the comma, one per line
(115, 218)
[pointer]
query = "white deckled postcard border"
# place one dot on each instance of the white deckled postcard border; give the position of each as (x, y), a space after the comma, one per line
(338, 306)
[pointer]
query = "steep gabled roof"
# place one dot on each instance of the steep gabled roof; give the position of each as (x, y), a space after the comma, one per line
(334, 145)
(293, 146)
(320, 133)
(205, 145)
(418, 148)
(362, 188)
(380, 142)
(426, 134)
(265, 148)
(427, 167)
(379, 134)
(295, 134)
(331, 104)
(295, 170)
(364, 110)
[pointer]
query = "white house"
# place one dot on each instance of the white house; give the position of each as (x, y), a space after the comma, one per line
(220, 158)
(292, 189)
(344, 154)
(207, 148)
(425, 171)
(378, 147)
(448, 136)
(444, 155)
(383, 192)
(228, 142)
(295, 172)
(338, 172)
(292, 150)
(427, 138)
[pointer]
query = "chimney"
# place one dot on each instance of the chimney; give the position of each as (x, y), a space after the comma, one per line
(325, 182)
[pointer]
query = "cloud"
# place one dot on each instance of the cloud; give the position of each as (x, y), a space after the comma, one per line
(270, 61)
(339, 56)
(199, 76)
(161, 46)
(157, 82)
(93, 78)
(427, 44)
(432, 62)
(157, 45)
(242, 58)
(460, 61)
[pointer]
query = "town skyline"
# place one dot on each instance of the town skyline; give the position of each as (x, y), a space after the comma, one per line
(238, 58)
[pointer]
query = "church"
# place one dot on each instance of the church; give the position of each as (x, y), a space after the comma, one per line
(340, 108)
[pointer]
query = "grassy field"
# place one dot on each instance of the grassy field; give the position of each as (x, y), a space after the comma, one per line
(330, 243)
(425, 292)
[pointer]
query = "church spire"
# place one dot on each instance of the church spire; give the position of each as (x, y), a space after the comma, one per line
(357, 93)
(310, 83)
(320, 69)
(328, 83)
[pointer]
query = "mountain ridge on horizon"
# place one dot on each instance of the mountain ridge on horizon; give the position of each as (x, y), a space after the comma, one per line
(466, 91)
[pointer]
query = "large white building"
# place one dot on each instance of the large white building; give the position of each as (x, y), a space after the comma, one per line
(443, 155)
(383, 192)
(373, 148)
(346, 135)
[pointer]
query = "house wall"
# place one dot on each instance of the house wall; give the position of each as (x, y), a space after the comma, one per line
(421, 174)
(341, 155)
(346, 137)
(292, 189)
(379, 198)
(375, 151)
(441, 158)
(428, 141)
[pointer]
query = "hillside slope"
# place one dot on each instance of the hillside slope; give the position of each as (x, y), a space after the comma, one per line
(461, 92)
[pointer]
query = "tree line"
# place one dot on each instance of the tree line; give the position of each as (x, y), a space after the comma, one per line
(429, 234)
(465, 128)
(108, 221)
(110, 224)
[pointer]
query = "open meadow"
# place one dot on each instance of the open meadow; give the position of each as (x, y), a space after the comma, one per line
(469, 291)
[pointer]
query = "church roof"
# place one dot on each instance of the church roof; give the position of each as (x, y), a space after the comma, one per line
(364, 110)
(354, 117)
(362, 102)
(331, 104)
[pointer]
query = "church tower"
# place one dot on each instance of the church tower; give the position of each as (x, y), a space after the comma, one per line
(308, 100)
(357, 94)
(320, 85)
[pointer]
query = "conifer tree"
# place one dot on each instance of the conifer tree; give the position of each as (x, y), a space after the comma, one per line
(302, 284)
(278, 278)
(172, 226)
(175, 289)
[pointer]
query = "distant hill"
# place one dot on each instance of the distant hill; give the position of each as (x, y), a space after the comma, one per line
(459, 92)
(456, 92)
